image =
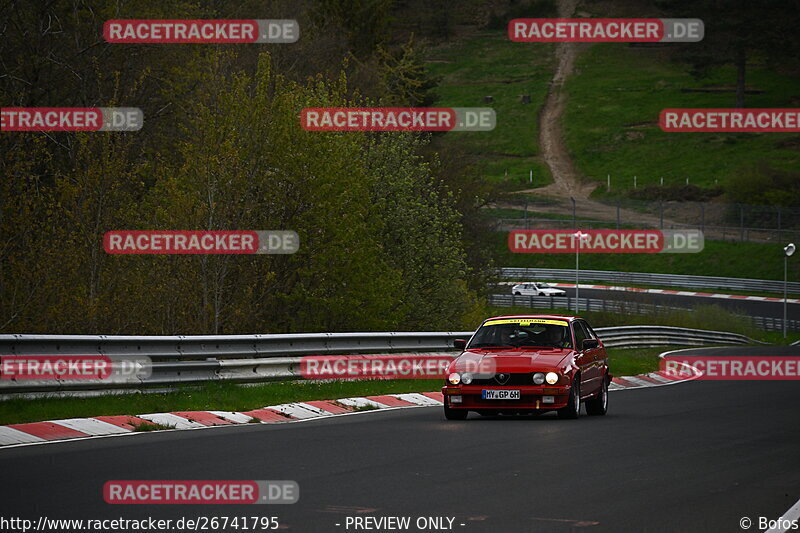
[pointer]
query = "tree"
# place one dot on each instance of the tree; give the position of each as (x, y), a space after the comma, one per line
(735, 31)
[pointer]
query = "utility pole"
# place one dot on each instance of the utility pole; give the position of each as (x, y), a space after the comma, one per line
(787, 253)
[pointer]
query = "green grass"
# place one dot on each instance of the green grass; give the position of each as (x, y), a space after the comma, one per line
(209, 396)
(489, 64)
(719, 258)
(150, 426)
(635, 361)
(614, 101)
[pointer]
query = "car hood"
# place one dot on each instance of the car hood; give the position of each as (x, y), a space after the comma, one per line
(514, 361)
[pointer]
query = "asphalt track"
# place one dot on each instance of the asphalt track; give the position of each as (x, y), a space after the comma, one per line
(742, 307)
(696, 456)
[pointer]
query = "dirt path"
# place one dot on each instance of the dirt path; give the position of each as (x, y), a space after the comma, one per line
(567, 182)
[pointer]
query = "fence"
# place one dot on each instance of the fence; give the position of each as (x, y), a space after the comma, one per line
(718, 221)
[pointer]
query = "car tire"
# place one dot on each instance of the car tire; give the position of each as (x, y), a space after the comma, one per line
(598, 406)
(455, 414)
(573, 408)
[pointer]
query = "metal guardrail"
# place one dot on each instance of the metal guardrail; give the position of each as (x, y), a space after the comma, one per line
(257, 358)
(629, 307)
(193, 359)
(644, 336)
(644, 278)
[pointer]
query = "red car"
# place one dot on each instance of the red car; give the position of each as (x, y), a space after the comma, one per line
(528, 364)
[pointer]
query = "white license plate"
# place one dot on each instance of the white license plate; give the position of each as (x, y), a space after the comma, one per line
(504, 394)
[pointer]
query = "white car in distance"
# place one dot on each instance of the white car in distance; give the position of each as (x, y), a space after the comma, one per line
(536, 289)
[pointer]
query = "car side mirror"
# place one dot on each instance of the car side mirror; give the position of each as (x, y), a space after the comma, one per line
(590, 344)
(459, 344)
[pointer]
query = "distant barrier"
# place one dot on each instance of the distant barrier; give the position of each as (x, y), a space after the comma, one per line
(645, 278)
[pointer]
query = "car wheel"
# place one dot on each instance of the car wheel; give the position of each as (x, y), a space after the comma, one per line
(455, 414)
(598, 406)
(573, 408)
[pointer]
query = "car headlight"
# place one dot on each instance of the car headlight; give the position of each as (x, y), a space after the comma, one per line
(538, 378)
(466, 379)
(551, 378)
(454, 378)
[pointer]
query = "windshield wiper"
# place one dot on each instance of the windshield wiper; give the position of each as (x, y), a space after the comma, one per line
(484, 346)
(541, 346)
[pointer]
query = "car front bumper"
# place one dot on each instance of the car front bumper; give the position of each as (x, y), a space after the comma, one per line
(532, 398)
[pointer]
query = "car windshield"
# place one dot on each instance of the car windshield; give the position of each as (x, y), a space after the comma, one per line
(517, 333)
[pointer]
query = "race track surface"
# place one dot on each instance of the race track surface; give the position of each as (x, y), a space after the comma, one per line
(690, 457)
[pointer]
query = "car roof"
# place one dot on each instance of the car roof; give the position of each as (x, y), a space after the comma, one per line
(568, 318)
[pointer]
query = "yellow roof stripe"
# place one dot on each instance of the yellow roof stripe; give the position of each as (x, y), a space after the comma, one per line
(526, 321)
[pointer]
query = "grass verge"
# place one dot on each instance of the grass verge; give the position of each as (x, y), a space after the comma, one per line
(719, 258)
(208, 396)
(635, 361)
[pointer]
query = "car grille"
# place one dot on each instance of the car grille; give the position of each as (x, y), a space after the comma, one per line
(514, 380)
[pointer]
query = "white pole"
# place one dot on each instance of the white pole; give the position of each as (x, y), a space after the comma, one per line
(662, 181)
(530, 180)
(577, 270)
(608, 187)
(788, 251)
(634, 182)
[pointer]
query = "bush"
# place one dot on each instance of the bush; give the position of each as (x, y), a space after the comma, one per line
(763, 184)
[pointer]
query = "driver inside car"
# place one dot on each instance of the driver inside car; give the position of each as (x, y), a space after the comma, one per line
(553, 336)
(507, 337)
